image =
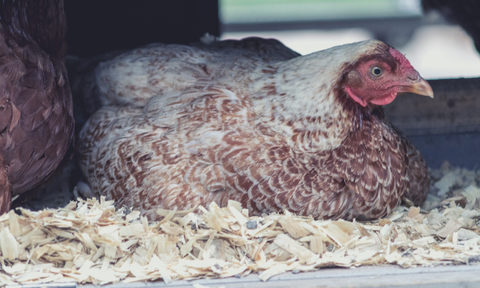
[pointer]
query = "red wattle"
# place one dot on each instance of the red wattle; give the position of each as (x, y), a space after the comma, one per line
(356, 98)
(384, 101)
(377, 101)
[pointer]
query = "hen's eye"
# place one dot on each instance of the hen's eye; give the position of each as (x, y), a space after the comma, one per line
(377, 71)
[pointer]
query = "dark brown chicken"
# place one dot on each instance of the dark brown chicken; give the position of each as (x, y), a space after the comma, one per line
(36, 118)
(254, 122)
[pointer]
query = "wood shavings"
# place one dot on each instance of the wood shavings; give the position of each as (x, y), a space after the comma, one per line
(450, 227)
(272, 271)
(472, 194)
(88, 241)
(446, 183)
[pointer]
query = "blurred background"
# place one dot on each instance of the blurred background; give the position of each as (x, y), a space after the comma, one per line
(436, 48)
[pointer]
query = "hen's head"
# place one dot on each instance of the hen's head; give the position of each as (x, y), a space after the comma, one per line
(379, 73)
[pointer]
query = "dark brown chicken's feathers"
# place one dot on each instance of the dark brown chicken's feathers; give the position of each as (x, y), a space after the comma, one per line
(35, 101)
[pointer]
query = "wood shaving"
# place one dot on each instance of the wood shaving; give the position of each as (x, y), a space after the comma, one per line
(89, 241)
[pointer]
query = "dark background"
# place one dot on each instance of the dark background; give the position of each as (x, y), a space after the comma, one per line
(99, 26)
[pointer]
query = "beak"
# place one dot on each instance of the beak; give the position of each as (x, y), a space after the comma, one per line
(420, 87)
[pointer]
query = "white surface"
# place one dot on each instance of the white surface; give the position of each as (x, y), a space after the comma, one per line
(436, 51)
(368, 276)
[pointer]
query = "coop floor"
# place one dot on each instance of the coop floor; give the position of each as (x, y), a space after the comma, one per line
(368, 276)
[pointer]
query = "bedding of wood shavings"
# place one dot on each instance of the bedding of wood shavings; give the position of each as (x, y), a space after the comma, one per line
(91, 242)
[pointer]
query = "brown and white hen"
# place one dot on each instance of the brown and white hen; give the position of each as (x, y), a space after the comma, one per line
(254, 122)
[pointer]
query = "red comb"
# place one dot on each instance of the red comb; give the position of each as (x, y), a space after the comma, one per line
(400, 58)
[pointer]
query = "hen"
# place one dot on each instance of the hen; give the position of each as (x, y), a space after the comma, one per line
(254, 122)
(36, 117)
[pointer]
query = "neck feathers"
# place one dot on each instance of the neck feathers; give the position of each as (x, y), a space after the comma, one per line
(304, 98)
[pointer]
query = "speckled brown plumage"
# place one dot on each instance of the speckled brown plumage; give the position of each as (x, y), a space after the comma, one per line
(36, 119)
(249, 121)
